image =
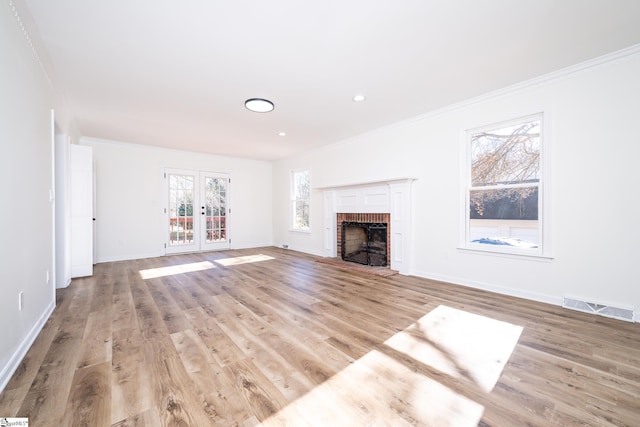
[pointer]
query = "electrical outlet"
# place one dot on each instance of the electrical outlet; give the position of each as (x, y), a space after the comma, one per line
(47, 277)
(20, 300)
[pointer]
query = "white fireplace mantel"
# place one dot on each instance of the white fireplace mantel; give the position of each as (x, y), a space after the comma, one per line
(391, 196)
(366, 184)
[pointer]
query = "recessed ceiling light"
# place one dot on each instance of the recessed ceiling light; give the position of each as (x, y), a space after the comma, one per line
(259, 105)
(359, 98)
(282, 134)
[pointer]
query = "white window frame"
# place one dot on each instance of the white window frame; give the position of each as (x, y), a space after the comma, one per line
(544, 228)
(294, 200)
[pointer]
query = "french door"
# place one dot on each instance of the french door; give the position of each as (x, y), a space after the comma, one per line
(197, 211)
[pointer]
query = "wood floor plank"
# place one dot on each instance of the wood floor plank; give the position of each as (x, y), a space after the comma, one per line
(160, 293)
(271, 364)
(189, 284)
(131, 387)
(270, 337)
(214, 387)
(89, 402)
(299, 358)
(144, 419)
(220, 346)
(96, 341)
(242, 314)
(279, 313)
(174, 396)
(173, 318)
(11, 398)
(261, 396)
(123, 310)
(183, 298)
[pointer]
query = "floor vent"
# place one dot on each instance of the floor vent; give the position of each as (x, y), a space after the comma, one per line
(599, 309)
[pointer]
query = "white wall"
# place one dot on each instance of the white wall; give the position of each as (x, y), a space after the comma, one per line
(26, 171)
(63, 210)
(592, 112)
(130, 197)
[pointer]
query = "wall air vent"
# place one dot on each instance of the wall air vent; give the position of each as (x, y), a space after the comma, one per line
(619, 313)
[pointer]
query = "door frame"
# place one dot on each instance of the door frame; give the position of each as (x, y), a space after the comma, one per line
(199, 243)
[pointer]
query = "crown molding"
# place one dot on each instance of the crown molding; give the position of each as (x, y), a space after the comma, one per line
(29, 31)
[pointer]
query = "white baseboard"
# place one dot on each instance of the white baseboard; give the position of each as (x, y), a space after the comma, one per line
(304, 251)
(533, 296)
(127, 257)
(15, 360)
(251, 245)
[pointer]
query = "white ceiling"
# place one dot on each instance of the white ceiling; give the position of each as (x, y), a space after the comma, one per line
(176, 73)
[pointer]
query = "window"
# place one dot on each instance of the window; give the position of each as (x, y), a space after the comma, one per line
(504, 187)
(300, 199)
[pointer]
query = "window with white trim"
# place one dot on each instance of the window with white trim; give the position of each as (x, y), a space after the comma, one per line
(300, 199)
(504, 187)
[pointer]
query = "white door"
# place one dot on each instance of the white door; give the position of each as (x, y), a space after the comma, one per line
(81, 180)
(197, 211)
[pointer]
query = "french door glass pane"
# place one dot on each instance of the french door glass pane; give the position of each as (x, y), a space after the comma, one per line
(215, 209)
(181, 194)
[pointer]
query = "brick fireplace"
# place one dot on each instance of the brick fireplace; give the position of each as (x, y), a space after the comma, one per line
(363, 218)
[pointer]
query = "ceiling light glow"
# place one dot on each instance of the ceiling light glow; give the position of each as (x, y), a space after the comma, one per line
(259, 105)
(359, 98)
(282, 134)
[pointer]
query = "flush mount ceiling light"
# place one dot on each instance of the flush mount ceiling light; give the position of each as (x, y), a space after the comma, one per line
(282, 134)
(359, 98)
(258, 105)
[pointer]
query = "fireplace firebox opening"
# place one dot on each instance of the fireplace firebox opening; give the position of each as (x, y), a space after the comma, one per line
(364, 243)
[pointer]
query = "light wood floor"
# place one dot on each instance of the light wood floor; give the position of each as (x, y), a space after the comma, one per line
(257, 336)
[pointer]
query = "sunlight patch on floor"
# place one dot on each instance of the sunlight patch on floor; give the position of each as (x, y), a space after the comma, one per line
(243, 260)
(379, 390)
(460, 344)
(171, 270)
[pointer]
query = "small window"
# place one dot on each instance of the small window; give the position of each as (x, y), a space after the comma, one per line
(300, 199)
(503, 196)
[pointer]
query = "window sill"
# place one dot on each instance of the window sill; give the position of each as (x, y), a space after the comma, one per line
(504, 254)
